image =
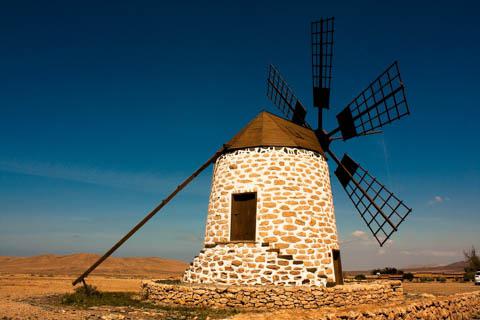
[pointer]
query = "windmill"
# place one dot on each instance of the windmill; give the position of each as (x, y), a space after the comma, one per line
(271, 217)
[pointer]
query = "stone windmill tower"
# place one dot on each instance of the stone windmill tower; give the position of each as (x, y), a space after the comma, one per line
(270, 217)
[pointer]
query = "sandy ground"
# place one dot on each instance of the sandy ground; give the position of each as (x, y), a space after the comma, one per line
(18, 294)
(19, 297)
(439, 289)
(75, 264)
(25, 281)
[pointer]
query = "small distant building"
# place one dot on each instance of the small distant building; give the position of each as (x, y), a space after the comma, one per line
(270, 216)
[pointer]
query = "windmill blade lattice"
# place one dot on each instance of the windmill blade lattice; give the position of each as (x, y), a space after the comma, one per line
(381, 103)
(284, 98)
(381, 210)
(322, 55)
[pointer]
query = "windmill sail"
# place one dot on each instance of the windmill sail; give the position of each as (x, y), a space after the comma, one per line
(381, 103)
(284, 98)
(322, 55)
(381, 210)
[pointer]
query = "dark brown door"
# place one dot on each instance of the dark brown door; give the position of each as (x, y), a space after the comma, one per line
(243, 216)
(337, 266)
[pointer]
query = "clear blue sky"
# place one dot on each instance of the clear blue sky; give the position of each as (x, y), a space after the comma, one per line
(106, 106)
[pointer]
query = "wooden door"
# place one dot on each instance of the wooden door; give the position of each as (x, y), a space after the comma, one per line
(243, 216)
(337, 266)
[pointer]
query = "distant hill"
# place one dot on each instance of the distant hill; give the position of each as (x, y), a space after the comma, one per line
(452, 267)
(75, 264)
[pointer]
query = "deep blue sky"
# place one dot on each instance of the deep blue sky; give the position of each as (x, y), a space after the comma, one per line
(106, 106)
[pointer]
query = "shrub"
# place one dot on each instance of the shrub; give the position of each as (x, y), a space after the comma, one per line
(408, 276)
(87, 290)
(426, 279)
(441, 279)
(387, 270)
(82, 295)
(469, 276)
(472, 260)
(360, 277)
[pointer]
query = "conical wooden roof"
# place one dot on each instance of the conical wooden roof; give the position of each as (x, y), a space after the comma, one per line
(268, 130)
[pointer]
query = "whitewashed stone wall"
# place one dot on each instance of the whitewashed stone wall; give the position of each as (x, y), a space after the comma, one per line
(295, 230)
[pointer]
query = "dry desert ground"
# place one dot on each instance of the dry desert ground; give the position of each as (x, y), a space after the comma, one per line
(35, 295)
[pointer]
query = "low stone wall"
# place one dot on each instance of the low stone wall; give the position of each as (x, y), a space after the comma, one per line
(456, 307)
(271, 297)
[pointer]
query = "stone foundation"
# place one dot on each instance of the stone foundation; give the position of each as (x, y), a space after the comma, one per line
(271, 297)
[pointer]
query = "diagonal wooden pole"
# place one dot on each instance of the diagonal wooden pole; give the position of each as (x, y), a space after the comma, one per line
(82, 277)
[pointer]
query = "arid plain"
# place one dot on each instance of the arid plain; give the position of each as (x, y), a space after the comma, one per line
(30, 288)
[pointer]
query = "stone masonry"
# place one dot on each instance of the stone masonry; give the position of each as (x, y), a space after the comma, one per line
(271, 297)
(295, 222)
(383, 300)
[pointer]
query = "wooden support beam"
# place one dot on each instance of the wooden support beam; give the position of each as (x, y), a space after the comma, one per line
(82, 277)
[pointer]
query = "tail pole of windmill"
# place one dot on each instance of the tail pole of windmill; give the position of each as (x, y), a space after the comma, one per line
(150, 215)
